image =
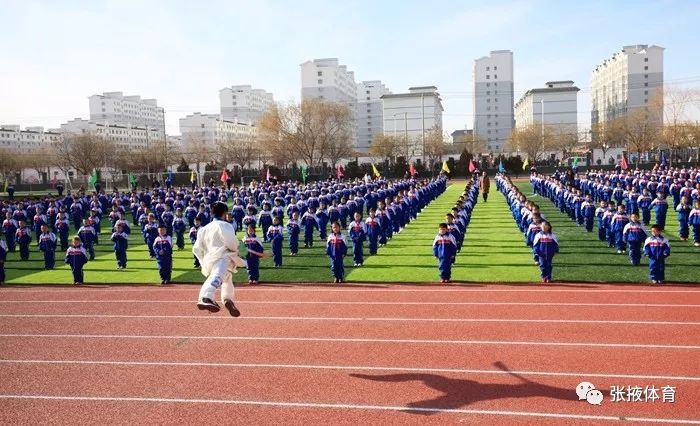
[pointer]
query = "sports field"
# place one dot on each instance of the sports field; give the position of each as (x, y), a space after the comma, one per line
(363, 354)
(493, 252)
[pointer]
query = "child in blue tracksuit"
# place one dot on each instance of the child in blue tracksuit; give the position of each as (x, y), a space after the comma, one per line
(265, 219)
(163, 248)
(600, 214)
(445, 250)
(179, 229)
(618, 222)
(607, 223)
(23, 237)
(88, 235)
(293, 230)
(255, 252)
(644, 203)
(358, 233)
(634, 235)
(3, 256)
(77, 257)
(660, 208)
(121, 243)
(683, 208)
(694, 222)
(336, 249)
(150, 233)
(322, 220)
(9, 228)
(657, 249)
(374, 231)
(588, 211)
(308, 221)
(545, 246)
(63, 227)
(47, 244)
(275, 236)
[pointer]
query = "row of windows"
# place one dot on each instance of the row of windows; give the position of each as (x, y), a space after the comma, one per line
(494, 68)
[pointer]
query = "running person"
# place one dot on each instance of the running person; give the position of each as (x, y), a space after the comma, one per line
(217, 250)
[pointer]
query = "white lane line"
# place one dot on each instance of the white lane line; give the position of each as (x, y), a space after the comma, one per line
(351, 340)
(316, 405)
(346, 319)
(347, 368)
(354, 289)
(370, 303)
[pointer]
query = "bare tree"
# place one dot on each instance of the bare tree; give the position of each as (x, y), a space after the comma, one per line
(84, 152)
(473, 143)
(39, 160)
(675, 104)
(534, 140)
(384, 147)
(565, 139)
(641, 134)
(435, 146)
(239, 150)
(607, 135)
(10, 163)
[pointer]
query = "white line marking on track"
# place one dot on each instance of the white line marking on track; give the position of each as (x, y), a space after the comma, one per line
(317, 405)
(372, 319)
(371, 303)
(354, 289)
(347, 368)
(352, 340)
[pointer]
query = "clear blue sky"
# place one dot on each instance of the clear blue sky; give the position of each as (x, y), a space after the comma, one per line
(57, 53)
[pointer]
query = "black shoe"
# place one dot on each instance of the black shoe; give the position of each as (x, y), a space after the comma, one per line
(208, 305)
(232, 308)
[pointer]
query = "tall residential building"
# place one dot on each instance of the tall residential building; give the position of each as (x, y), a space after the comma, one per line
(128, 111)
(206, 130)
(493, 99)
(413, 114)
(326, 79)
(124, 137)
(369, 115)
(244, 104)
(27, 140)
(554, 104)
(626, 81)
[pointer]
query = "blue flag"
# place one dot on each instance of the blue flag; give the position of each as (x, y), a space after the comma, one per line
(501, 169)
(170, 175)
(664, 160)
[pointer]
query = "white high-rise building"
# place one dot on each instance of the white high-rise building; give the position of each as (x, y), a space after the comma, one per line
(413, 114)
(129, 111)
(244, 104)
(493, 99)
(124, 137)
(30, 139)
(555, 105)
(626, 81)
(327, 80)
(369, 115)
(206, 130)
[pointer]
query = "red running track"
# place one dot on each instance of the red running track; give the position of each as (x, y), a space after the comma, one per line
(325, 355)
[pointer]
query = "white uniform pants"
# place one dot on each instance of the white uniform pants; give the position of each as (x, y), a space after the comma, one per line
(220, 276)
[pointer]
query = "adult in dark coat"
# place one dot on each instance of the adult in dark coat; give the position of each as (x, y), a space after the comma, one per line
(485, 185)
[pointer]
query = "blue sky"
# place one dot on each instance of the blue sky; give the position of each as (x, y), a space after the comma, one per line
(57, 53)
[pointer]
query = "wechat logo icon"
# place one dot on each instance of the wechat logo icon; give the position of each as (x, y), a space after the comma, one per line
(587, 391)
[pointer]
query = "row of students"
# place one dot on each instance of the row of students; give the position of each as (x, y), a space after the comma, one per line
(536, 230)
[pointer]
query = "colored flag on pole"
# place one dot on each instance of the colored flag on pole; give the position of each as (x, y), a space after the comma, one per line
(444, 167)
(664, 160)
(224, 176)
(526, 163)
(193, 177)
(375, 171)
(93, 178)
(268, 176)
(412, 169)
(339, 172)
(501, 169)
(170, 175)
(623, 163)
(472, 167)
(304, 173)
(133, 180)
(574, 163)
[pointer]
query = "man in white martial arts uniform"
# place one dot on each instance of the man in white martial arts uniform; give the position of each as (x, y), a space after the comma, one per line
(217, 250)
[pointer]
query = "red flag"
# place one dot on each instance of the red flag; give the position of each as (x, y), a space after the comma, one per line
(472, 167)
(268, 177)
(412, 169)
(224, 176)
(339, 172)
(623, 163)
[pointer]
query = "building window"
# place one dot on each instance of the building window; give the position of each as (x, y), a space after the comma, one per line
(496, 124)
(495, 84)
(646, 59)
(646, 68)
(488, 76)
(369, 110)
(367, 92)
(495, 68)
(495, 76)
(488, 92)
(488, 108)
(320, 73)
(646, 100)
(488, 84)
(646, 92)
(646, 84)
(488, 100)
(495, 99)
(489, 131)
(646, 75)
(320, 81)
(496, 107)
(367, 97)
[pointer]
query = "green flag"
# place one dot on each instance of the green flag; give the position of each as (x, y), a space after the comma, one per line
(574, 163)
(133, 179)
(304, 173)
(93, 179)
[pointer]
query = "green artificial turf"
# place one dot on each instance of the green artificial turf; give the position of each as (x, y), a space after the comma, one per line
(583, 257)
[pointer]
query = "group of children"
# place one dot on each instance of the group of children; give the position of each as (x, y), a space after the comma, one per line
(452, 232)
(622, 197)
(536, 230)
(164, 214)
